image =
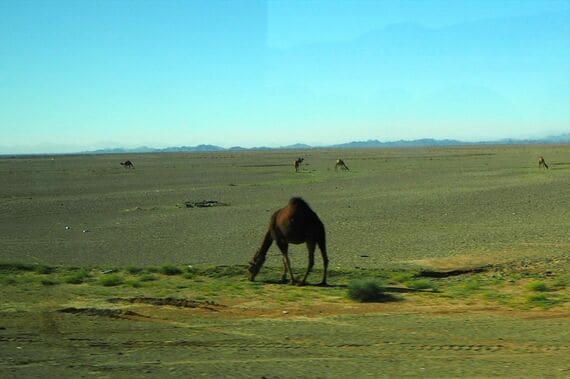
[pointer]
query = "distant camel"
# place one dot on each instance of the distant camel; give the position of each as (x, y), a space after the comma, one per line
(296, 223)
(298, 162)
(541, 163)
(128, 164)
(340, 163)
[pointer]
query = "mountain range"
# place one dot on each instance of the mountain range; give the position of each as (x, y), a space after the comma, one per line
(372, 143)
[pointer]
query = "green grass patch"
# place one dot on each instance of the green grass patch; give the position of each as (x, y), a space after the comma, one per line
(561, 282)
(135, 283)
(16, 267)
(111, 280)
(49, 282)
(497, 297)
(421, 284)
(541, 300)
(148, 278)
(170, 270)
(537, 286)
(401, 277)
(134, 270)
(8, 280)
(77, 277)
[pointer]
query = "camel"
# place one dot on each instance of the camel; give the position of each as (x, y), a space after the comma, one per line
(541, 163)
(296, 223)
(298, 162)
(128, 164)
(340, 163)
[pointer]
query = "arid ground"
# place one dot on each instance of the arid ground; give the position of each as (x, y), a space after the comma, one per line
(114, 272)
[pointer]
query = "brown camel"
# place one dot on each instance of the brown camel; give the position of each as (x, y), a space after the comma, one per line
(296, 223)
(340, 163)
(298, 162)
(542, 163)
(128, 164)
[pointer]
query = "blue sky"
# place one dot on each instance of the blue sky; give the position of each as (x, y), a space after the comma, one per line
(79, 75)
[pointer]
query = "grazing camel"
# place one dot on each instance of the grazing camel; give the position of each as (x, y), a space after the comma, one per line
(340, 163)
(128, 164)
(298, 162)
(296, 223)
(541, 163)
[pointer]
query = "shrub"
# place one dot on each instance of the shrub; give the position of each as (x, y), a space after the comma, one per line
(43, 269)
(111, 280)
(77, 277)
(15, 267)
(368, 290)
(170, 270)
(49, 282)
(134, 270)
(537, 286)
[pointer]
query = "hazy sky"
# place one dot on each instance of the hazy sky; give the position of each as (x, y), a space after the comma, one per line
(77, 75)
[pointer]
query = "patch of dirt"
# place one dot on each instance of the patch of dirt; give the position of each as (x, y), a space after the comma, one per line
(169, 301)
(205, 204)
(446, 267)
(103, 312)
(446, 274)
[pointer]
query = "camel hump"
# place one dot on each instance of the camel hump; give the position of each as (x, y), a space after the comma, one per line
(298, 202)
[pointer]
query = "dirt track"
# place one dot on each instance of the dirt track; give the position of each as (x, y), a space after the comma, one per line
(376, 340)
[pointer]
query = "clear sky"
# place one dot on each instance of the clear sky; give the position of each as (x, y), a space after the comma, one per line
(81, 75)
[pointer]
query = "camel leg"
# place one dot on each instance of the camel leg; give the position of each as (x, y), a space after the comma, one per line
(323, 249)
(284, 247)
(311, 247)
(284, 276)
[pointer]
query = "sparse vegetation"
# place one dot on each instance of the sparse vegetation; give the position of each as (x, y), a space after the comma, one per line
(393, 213)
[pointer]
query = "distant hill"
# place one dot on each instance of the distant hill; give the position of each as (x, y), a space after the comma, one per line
(373, 143)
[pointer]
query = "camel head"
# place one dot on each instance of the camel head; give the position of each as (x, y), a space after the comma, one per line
(255, 265)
